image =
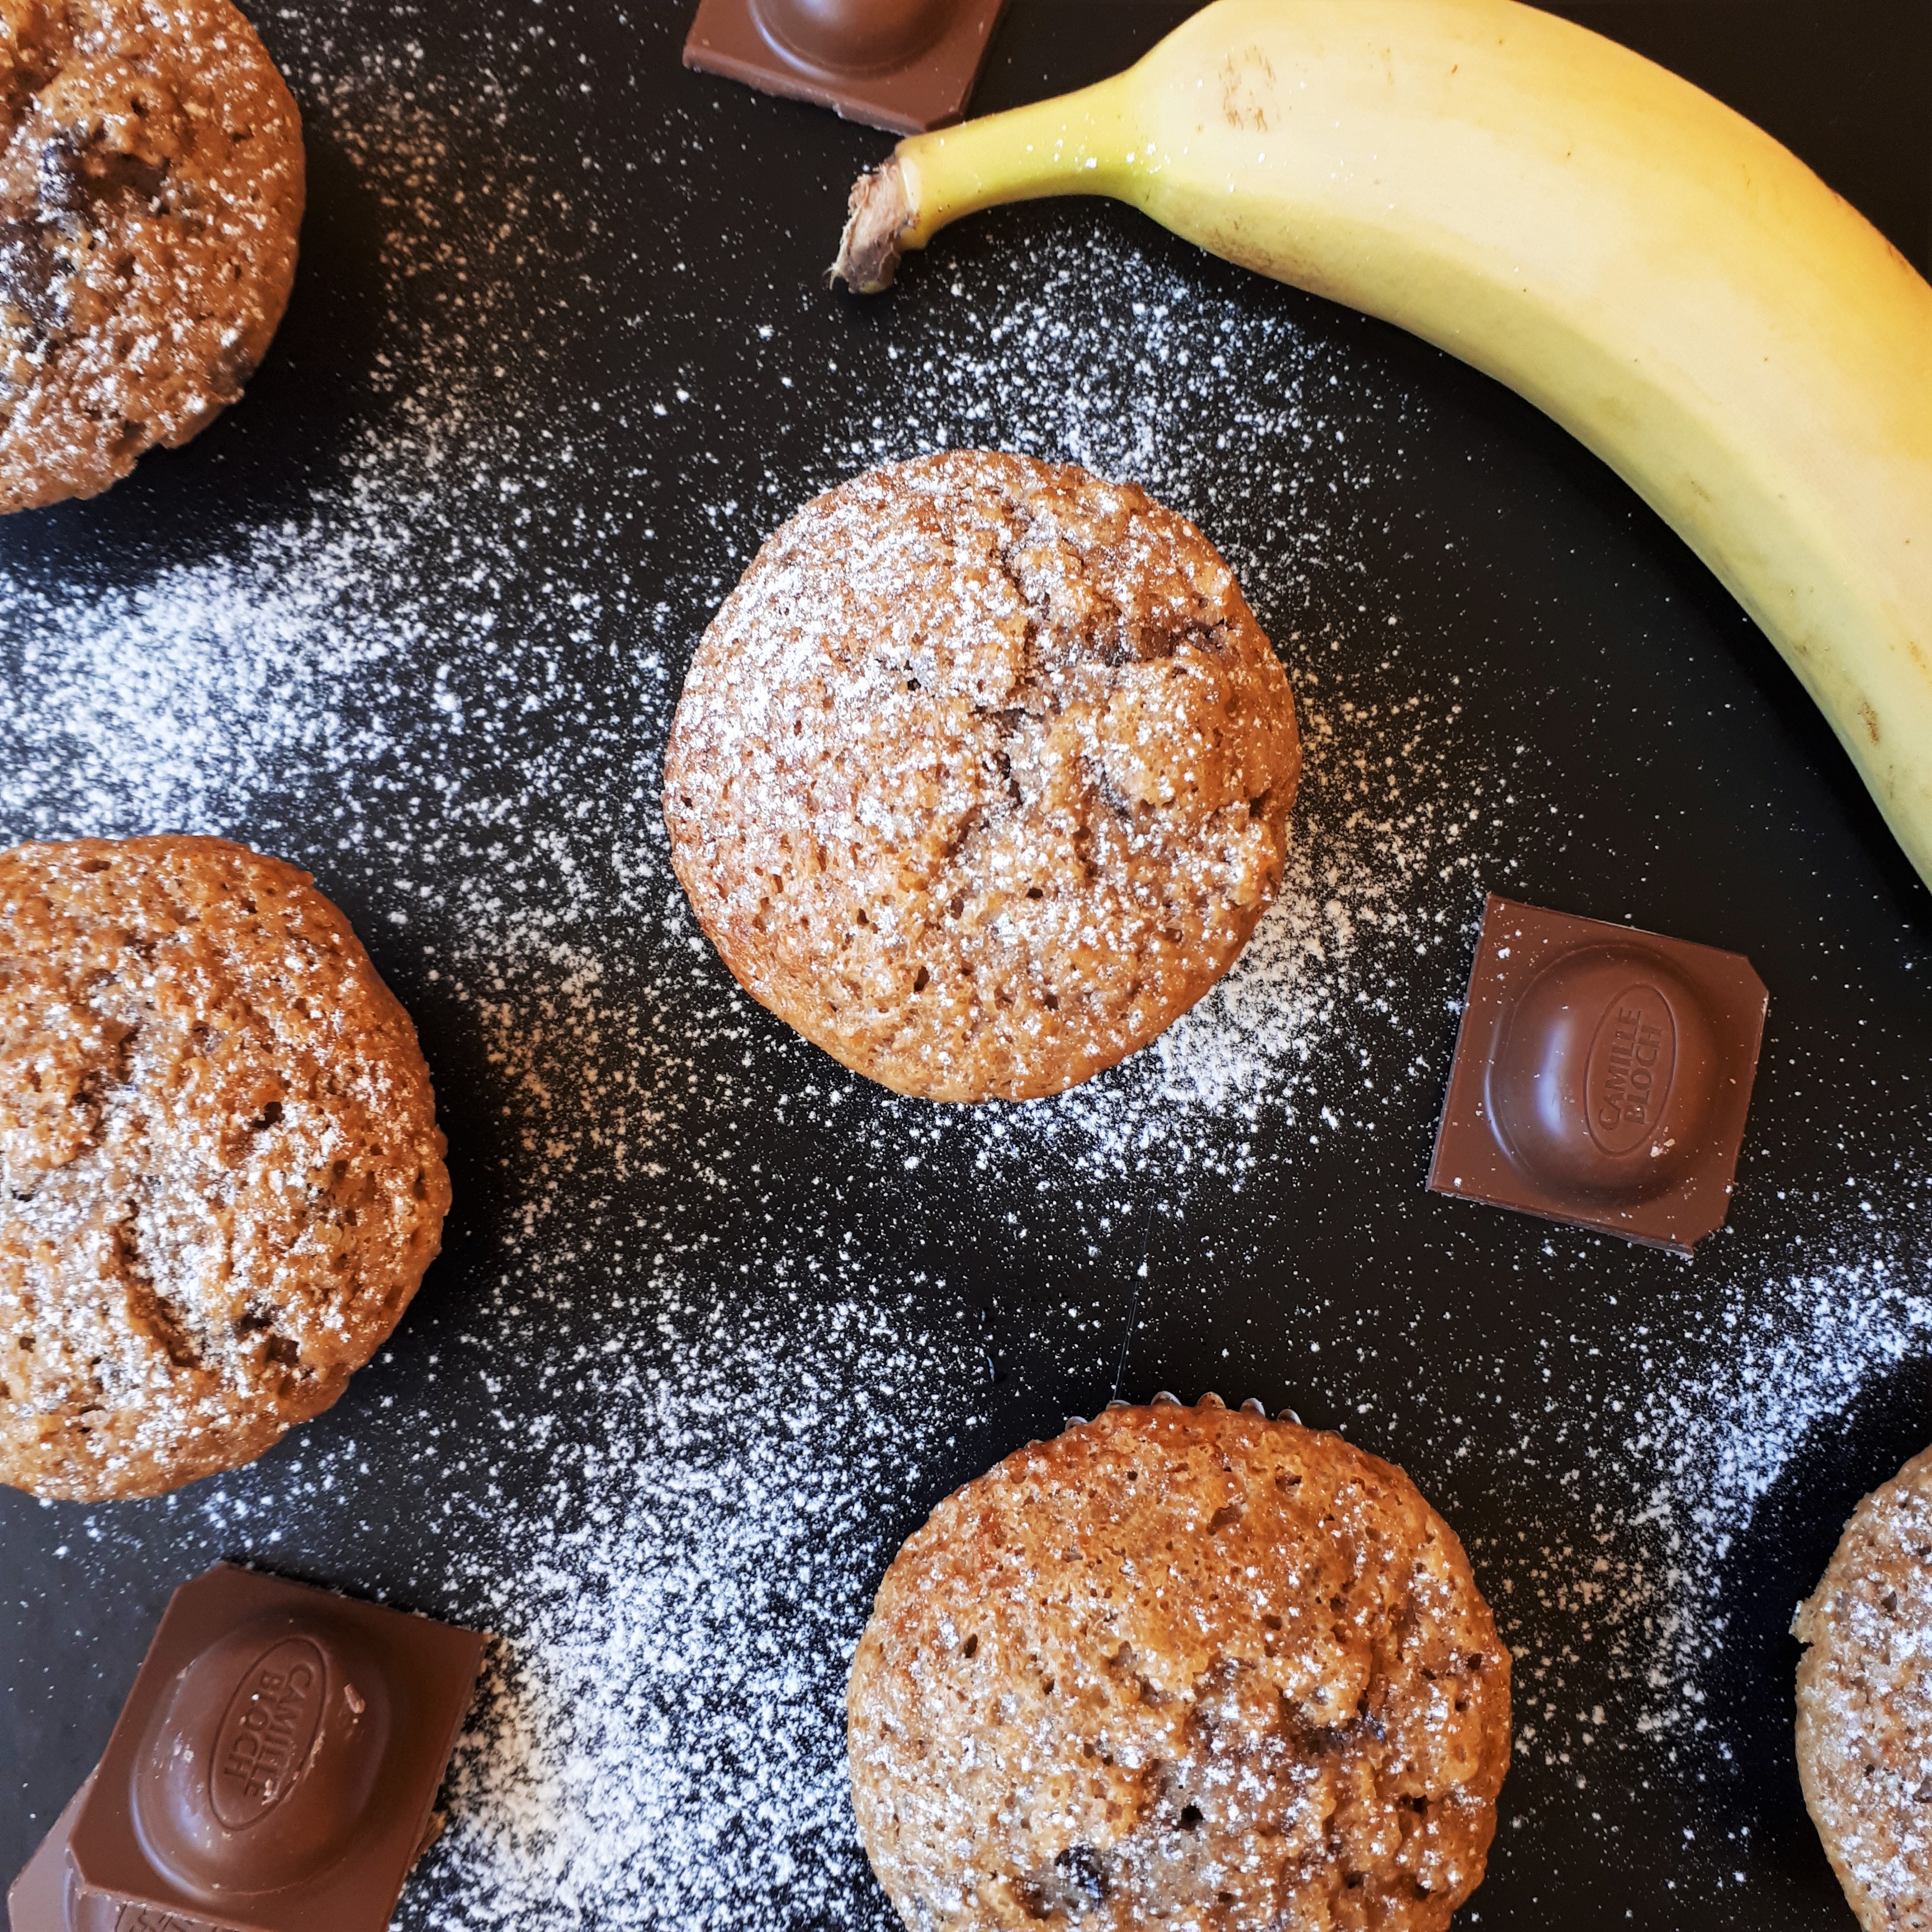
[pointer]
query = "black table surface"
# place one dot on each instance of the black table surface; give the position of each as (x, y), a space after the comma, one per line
(414, 615)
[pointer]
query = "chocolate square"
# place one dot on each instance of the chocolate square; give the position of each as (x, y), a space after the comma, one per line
(272, 1771)
(903, 65)
(38, 1901)
(1601, 1077)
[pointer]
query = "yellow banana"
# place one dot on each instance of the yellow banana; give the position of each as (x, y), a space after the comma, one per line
(1675, 288)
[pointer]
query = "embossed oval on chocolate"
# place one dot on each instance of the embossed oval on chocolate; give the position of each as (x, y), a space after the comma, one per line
(1633, 1062)
(851, 36)
(256, 1773)
(1601, 1077)
(262, 1747)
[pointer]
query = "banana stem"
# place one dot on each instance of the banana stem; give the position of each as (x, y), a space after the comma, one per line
(1082, 143)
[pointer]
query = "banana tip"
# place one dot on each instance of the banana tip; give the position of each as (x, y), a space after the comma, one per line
(877, 214)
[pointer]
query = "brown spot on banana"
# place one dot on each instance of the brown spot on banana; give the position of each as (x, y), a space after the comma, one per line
(1247, 90)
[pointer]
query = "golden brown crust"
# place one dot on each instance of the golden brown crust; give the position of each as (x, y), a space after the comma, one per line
(981, 776)
(1184, 1667)
(221, 1174)
(151, 185)
(1865, 1705)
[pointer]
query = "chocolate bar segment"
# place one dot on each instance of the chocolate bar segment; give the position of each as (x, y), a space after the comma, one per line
(38, 1900)
(903, 65)
(273, 1770)
(1602, 1076)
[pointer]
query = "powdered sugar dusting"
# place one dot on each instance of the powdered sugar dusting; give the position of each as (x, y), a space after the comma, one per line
(1727, 1415)
(660, 1736)
(657, 1421)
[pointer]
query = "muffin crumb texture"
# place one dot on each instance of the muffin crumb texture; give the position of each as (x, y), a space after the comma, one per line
(981, 776)
(220, 1176)
(1865, 1704)
(1180, 1667)
(152, 186)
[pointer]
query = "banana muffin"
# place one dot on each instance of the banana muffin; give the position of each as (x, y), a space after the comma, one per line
(151, 183)
(1865, 1704)
(221, 1174)
(981, 777)
(1185, 1667)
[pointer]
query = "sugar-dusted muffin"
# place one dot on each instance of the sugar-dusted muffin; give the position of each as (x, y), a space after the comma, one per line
(981, 776)
(1181, 1667)
(1865, 1704)
(151, 184)
(221, 1174)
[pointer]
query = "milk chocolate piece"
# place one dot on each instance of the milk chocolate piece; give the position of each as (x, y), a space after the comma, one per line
(904, 65)
(273, 1770)
(38, 1901)
(1601, 1076)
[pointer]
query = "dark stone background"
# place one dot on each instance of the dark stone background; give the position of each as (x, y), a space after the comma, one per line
(1757, 836)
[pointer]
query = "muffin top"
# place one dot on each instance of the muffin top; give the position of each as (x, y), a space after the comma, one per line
(981, 776)
(1865, 1704)
(221, 1175)
(1182, 1666)
(151, 185)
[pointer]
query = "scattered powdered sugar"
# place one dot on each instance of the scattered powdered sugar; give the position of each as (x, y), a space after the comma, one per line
(661, 1740)
(1305, 1027)
(235, 693)
(1724, 1419)
(1716, 1458)
(443, 679)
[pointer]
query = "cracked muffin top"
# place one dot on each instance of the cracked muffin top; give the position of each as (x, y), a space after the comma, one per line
(151, 183)
(1180, 1667)
(981, 776)
(221, 1174)
(1865, 1704)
